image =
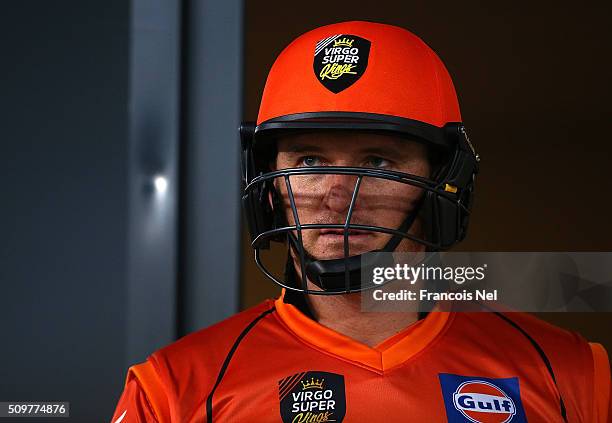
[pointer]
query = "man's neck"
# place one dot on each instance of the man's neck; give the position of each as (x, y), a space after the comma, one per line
(343, 313)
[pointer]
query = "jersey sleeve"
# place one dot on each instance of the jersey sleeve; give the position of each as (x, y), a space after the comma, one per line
(602, 399)
(143, 398)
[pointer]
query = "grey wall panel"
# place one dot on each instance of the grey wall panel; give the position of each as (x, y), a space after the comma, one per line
(153, 114)
(63, 203)
(89, 111)
(213, 105)
(89, 116)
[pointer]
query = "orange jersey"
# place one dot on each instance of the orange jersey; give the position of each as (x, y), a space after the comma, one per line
(272, 363)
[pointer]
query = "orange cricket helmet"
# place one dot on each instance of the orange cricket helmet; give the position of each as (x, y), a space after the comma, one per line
(360, 76)
(360, 67)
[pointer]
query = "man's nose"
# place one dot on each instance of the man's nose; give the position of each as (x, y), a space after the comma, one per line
(339, 191)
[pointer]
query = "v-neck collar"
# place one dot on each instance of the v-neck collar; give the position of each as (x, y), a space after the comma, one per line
(390, 353)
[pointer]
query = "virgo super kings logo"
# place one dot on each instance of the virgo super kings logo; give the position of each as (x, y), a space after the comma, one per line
(340, 60)
(312, 397)
(482, 400)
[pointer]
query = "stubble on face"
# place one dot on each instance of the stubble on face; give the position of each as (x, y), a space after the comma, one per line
(325, 199)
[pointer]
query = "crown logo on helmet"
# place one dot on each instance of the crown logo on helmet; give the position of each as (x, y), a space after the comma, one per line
(313, 383)
(343, 42)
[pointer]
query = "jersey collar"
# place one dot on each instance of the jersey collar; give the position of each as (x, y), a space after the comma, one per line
(385, 356)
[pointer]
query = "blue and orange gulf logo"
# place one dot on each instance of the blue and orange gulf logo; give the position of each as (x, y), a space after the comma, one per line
(482, 400)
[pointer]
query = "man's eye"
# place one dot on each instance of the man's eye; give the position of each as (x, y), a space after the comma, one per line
(310, 161)
(375, 161)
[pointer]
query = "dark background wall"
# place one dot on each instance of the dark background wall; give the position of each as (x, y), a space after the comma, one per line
(63, 207)
(99, 265)
(534, 92)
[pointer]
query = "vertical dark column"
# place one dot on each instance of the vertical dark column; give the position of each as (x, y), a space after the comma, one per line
(153, 138)
(88, 214)
(212, 93)
(64, 223)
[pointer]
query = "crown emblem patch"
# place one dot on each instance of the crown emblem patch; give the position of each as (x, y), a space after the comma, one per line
(340, 60)
(312, 397)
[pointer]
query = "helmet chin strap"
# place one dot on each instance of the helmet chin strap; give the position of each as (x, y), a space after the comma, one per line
(330, 275)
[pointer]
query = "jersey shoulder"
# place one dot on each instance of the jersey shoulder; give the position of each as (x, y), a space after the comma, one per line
(528, 334)
(581, 369)
(516, 326)
(189, 367)
(173, 383)
(215, 338)
(202, 352)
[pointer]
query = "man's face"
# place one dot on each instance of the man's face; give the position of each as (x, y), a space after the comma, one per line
(325, 198)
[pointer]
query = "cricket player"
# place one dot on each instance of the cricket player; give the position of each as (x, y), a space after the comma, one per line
(359, 147)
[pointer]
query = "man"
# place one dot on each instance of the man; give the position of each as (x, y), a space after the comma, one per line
(359, 150)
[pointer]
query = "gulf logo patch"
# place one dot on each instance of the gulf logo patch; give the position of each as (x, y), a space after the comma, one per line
(477, 399)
